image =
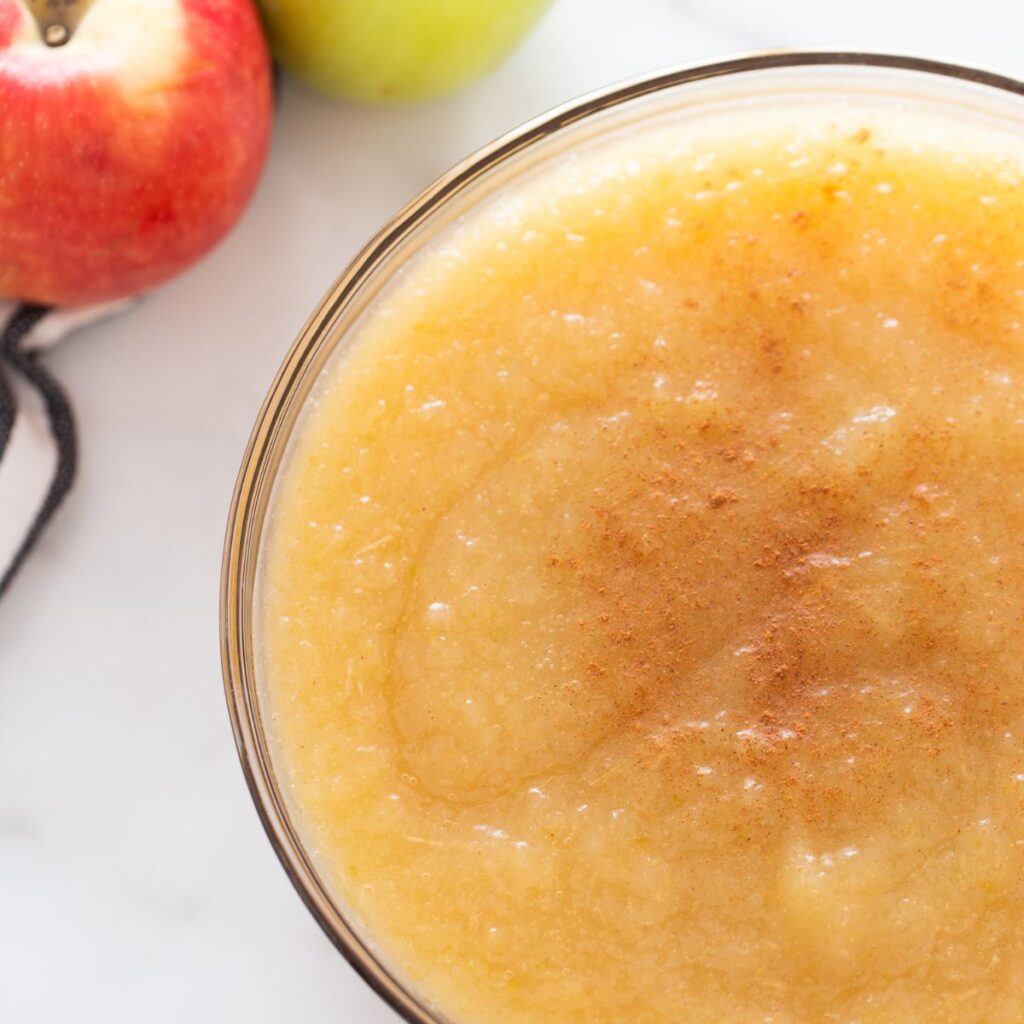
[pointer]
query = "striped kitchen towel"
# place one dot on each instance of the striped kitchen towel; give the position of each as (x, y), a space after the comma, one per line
(38, 447)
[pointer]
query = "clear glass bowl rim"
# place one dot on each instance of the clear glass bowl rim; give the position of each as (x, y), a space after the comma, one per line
(273, 429)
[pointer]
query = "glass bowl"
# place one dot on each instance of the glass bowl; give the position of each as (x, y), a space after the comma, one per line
(748, 82)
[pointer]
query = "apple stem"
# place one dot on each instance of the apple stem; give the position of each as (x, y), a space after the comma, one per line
(56, 34)
(57, 19)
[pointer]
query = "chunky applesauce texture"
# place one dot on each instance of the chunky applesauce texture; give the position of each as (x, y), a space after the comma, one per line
(641, 613)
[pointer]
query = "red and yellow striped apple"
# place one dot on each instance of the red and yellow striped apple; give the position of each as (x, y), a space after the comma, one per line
(132, 133)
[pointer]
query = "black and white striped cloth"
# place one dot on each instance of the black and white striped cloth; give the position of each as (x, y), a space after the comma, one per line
(38, 447)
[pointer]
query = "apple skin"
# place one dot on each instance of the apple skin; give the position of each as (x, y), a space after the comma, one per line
(390, 51)
(126, 154)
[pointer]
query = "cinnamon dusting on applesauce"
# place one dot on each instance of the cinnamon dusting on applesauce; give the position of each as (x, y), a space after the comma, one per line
(726, 575)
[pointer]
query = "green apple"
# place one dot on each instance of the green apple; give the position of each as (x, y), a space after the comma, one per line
(394, 50)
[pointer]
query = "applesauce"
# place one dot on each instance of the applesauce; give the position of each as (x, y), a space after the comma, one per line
(641, 606)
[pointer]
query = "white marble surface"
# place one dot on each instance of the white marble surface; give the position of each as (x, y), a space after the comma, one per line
(135, 881)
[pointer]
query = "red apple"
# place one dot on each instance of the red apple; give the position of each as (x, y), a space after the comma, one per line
(129, 144)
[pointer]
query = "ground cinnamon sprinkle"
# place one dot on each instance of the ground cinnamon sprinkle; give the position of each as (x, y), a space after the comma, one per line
(670, 581)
